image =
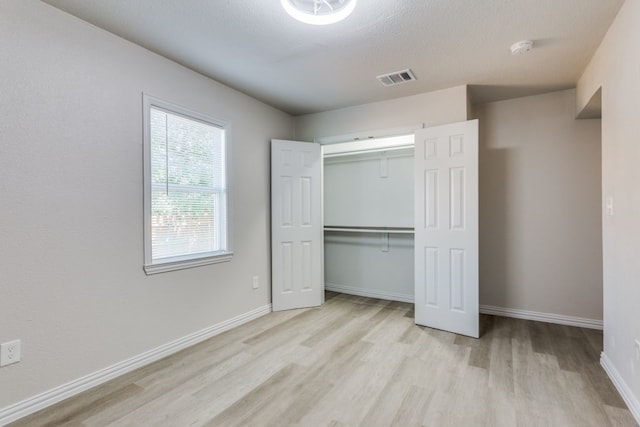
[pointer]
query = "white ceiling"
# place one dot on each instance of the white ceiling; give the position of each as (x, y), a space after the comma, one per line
(255, 47)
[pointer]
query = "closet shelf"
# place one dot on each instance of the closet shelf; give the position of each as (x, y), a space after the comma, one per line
(352, 229)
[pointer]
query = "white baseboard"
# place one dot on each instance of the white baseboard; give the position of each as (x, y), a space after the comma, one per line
(559, 319)
(371, 293)
(622, 387)
(57, 394)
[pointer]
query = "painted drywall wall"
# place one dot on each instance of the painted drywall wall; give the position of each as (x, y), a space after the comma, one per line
(369, 190)
(364, 264)
(615, 68)
(540, 233)
(72, 286)
(432, 108)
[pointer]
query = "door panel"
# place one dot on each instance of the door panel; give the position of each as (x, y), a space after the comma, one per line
(296, 225)
(446, 228)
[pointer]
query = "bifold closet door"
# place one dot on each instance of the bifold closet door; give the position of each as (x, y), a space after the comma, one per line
(296, 225)
(446, 228)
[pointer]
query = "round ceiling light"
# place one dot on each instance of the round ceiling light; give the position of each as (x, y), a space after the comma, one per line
(319, 12)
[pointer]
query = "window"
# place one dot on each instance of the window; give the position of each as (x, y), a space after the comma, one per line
(186, 197)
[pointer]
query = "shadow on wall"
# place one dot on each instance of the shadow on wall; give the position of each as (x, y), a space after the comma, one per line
(481, 94)
(496, 231)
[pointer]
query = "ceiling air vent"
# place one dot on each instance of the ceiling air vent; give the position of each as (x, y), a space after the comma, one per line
(396, 77)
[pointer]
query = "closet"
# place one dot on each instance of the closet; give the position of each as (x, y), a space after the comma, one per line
(393, 218)
(368, 217)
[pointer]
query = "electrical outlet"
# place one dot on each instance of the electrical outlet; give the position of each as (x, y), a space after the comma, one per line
(256, 282)
(10, 353)
(637, 346)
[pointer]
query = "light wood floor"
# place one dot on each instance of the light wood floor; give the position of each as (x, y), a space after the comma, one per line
(362, 362)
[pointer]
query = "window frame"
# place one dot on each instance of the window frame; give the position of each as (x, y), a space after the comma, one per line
(192, 260)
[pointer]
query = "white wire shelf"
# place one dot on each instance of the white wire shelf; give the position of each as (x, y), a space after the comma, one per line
(352, 229)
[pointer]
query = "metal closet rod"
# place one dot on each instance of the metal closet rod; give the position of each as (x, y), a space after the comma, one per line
(367, 151)
(355, 229)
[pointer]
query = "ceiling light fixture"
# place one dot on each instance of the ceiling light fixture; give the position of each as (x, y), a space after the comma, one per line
(319, 12)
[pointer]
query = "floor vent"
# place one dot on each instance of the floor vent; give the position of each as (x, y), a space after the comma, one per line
(396, 77)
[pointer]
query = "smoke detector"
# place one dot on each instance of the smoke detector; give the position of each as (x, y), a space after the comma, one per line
(521, 47)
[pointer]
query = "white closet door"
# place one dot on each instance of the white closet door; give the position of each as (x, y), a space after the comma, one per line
(296, 225)
(446, 228)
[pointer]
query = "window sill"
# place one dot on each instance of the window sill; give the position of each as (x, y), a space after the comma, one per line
(188, 263)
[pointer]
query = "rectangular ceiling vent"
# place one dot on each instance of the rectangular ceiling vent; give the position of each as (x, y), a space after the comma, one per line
(396, 78)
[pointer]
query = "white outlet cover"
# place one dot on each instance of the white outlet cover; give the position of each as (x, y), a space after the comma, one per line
(10, 353)
(638, 350)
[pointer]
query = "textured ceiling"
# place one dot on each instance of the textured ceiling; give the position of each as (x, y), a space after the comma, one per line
(255, 47)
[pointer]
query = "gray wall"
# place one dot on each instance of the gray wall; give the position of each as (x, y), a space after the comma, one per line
(540, 230)
(615, 68)
(432, 108)
(72, 286)
(356, 193)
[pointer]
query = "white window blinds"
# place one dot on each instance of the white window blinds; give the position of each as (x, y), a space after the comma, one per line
(188, 188)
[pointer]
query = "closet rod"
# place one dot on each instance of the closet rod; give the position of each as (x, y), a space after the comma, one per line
(396, 230)
(365, 151)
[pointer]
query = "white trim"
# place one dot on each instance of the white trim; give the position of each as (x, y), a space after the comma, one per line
(627, 395)
(371, 293)
(559, 319)
(380, 133)
(149, 102)
(28, 406)
(187, 263)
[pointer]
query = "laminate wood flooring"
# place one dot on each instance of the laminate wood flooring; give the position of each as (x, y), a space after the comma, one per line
(361, 362)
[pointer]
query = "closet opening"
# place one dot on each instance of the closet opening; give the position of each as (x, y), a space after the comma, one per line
(368, 205)
(355, 207)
